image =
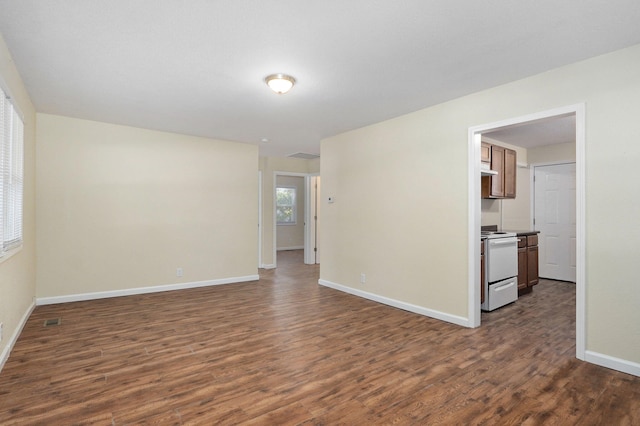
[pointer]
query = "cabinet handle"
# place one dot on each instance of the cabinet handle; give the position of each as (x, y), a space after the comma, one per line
(505, 286)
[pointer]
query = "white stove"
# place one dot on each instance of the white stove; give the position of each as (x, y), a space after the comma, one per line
(497, 234)
(501, 272)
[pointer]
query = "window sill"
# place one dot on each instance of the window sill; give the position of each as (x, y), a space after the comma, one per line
(9, 254)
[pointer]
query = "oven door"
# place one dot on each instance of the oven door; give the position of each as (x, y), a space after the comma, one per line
(502, 258)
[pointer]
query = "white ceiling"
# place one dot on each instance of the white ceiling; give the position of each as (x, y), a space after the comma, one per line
(197, 67)
(548, 131)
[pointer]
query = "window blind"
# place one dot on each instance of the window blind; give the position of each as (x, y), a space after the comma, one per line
(11, 175)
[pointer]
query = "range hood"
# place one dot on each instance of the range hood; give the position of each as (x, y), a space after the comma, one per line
(485, 170)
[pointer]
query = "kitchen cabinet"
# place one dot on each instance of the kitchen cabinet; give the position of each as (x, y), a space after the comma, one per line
(485, 152)
(503, 184)
(510, 159)
(527, 262)
(532, 260)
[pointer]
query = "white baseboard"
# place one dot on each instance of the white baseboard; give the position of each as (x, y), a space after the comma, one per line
(290, 248)
(614, 363)
(399, 304)
(268, 266)
(14, 337)
(140, 290)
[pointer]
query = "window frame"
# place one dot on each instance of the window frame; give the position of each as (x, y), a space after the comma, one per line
(294, 207)
(11, 176)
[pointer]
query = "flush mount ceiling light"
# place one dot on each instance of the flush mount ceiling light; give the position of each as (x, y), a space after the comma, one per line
(280, 83)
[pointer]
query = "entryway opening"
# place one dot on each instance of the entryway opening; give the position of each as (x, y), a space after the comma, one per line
(555, 203)
(296, 211)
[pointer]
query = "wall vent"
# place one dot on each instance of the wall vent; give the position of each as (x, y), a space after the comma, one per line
(304, 156)
(54, 321)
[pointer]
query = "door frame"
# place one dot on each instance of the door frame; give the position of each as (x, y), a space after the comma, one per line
(275, 220)
(474, 140)
(260, 219)
(311, 223)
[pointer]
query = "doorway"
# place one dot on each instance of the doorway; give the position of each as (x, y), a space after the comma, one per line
(475, 134)
(295, 217)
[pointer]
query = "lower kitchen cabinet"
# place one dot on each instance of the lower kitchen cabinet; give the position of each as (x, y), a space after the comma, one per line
(532, 261)
(523, 280)
(527, 262)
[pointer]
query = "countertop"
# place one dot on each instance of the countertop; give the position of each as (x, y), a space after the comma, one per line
(522, 233)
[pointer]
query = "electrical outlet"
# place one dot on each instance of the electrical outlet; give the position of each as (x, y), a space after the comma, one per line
(363, 278)
(178, 272)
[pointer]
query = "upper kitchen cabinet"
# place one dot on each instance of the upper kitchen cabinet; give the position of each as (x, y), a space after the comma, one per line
(510, 160)
(503, 184)
(485, 152)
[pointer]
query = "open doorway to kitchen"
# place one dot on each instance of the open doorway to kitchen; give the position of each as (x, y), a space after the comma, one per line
(573, 113)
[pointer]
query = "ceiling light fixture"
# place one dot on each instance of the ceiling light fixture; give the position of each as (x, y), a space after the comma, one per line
(280, 83)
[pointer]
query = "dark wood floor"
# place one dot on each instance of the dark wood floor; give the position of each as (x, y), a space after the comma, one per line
(285, 350)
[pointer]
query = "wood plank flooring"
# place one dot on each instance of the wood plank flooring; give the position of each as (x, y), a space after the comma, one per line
(285, 350)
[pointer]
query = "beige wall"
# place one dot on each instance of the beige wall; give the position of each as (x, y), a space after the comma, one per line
(552, 153)
(269, 166)
(401, 210)
(516, 212)
(121, 207)
(292, 236)
(18, 273)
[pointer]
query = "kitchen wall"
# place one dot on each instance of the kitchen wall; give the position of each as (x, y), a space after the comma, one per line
(122, 208)
(268, 166)
(552, 153)
(289, 236)
(401, 212)
(17, 273)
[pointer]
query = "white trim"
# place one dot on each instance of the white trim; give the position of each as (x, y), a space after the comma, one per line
(475, 209)
(140, 290)
(260, 190)
(14, 337)
(581, 233)
(473, 263)
(614, 363)
(310, 210)
(442, 316)
(290, 248)
(268, 266)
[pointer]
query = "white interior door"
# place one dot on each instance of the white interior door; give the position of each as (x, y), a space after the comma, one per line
(555, 218)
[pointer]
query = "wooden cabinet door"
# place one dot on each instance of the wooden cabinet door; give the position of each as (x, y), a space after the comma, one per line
(503, 161)
(523, 280)
(532, 265)
(497, 164)
(510, 173)
(485, 152)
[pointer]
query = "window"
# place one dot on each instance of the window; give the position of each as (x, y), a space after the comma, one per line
(286, 205)
(11, 175)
